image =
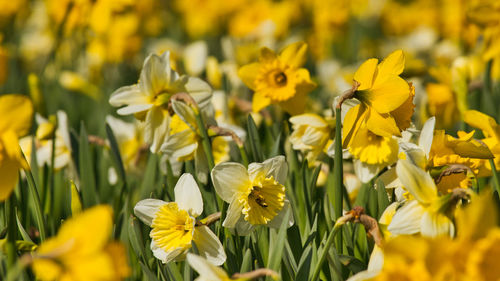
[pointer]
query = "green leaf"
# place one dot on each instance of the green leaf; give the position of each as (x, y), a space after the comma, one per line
(383, 199)
(115, 153)
(37, 206)
(253, 137)
(148, 183)
(276, 252)
(304, 267)
(87, 176)
(352, 263)
(147, 272)
(246, 264)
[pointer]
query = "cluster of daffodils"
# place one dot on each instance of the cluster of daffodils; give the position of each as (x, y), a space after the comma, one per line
(249, 140)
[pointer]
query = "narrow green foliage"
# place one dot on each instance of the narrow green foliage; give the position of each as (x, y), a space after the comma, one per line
(87, 175)
(254, 139)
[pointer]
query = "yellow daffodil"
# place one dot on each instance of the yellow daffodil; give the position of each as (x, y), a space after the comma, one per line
(82, 250)
(279, 79)
(174, 225)
(470, 256)
(256, 196)
(464, 150)
(310, 135)
(491, 132)
(428, 213)
(148, 99)
(16, 112)
(386, 99)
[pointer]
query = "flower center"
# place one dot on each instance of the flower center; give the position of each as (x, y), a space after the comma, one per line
(172, 228)
(280, 79)
(265, 199)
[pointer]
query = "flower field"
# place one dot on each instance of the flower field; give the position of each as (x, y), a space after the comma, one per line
(242, 140)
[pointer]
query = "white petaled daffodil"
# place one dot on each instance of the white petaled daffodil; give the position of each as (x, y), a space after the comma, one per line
(148, 100)
(256, 196)
(174, 225)
(428, 213)
(206, 270)
(311, 134)
(184, 142)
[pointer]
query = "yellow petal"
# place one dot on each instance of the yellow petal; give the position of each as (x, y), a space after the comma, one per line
(402, 115)
(16, 112)
(259, 101)
(365, 74)
(481, 121)
(295, 105)
(248, 74)
(294, 55)
(266, 55)
(387, 96)
(352, 121)
(382, 124)
(393, 64)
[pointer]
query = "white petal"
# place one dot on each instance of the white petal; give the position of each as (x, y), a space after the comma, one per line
(146, 209)
(156, 74)
(228, 179)
(427, 135)
(407, 219)
(201, 165)
(121, 129)
(309, 120)
(233, 213)
(276, 167)
(134, 108)
(188, 195)
(376, 259)
(206, 270)
(414, 153)
(163, 255)
(186, 113)
(156, 128)
(200, 91)
(195, 56)
(128, 95)
(418, 182)
(365, 172)
(436, 224)
(278, 219)
(243, 227)
(209, 245)
(62, 126)
(180, 144)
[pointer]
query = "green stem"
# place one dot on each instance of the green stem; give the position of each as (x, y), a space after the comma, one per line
(324, 252)
(338, 174)
(496, 179)
(244, 157)
(11, 232)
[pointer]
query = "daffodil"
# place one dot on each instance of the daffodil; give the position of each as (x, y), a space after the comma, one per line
(279, 79)
(174, 225)
(256, 196)
(184, 142)
(386, 99)
(491, 132)
(210, 272)
(129, 137)
(16, 112)
(82, 250)
(428, 213)
(148, 100)
(311, 134)
(469, 256)
(44, 135)
(464, 150)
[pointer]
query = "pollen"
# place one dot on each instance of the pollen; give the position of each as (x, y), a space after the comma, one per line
(172, 228)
